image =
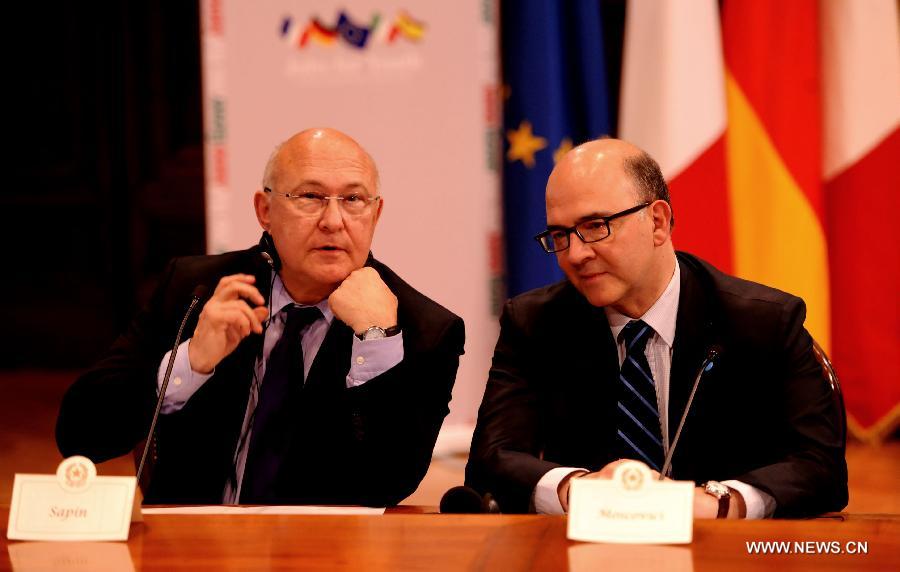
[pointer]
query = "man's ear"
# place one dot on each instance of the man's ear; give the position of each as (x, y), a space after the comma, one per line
(380, 206)
(261, 204)
(661, 214)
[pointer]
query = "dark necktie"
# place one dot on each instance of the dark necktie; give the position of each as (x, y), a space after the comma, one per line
(269, 432)
(637, 417)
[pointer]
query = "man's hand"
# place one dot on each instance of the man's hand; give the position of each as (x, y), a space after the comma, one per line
(608, 471)
(226, 319)
(705, 505)
(604, 473)
(363, 300)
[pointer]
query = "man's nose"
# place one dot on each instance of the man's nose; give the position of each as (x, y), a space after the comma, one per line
(332, 218)
(578, 252)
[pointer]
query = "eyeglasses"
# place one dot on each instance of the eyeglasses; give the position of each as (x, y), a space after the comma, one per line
(314, 203)
(592, 230)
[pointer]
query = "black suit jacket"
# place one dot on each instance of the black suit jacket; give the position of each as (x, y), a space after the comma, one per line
(368, 445)
(763, 415)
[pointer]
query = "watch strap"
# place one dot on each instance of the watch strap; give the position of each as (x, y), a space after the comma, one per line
(722, 494)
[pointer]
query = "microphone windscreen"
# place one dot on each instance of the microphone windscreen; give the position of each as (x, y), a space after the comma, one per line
(461, 500)
(200, 291)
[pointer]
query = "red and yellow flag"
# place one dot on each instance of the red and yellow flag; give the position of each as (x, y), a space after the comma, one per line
(782, 162)
(773, 148)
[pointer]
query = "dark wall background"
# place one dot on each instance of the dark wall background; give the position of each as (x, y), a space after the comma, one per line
(104, 168)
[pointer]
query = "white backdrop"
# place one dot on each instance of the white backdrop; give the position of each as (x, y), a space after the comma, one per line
(419, 95)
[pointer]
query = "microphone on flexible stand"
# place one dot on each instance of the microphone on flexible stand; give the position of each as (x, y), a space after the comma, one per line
(199, 292)
(466, 500)
(712, 354)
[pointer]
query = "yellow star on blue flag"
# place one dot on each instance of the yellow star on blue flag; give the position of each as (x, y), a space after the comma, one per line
(555, 97)
(523, 144)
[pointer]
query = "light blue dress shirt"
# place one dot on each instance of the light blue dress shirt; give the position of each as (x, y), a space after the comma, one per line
(368, 359)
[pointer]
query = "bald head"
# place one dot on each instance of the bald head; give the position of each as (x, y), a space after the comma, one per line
(614, 194)
(319, 247)
(594, 160)
(589, 158)
(317, 142)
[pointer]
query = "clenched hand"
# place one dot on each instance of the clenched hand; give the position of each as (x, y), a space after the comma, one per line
(226, 319)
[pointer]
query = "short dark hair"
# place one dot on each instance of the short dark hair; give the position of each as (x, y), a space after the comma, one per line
(648, 178)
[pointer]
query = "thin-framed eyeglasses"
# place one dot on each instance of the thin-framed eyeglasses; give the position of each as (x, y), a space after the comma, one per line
(592, 230)
(312, 203)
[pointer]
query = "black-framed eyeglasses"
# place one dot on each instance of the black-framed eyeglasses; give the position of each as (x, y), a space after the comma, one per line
(591, 230)
(311, 203)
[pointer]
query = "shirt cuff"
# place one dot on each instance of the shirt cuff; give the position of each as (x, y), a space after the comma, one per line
(759, 503)
(546, 495)
(184, 381)
(371, 358)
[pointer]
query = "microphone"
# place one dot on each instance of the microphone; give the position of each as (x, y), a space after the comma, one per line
(268, 259)
(199, 293)
(268, 251)
(466, 500)
(712, 354)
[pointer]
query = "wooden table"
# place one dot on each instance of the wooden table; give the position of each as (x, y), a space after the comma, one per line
(405, 540)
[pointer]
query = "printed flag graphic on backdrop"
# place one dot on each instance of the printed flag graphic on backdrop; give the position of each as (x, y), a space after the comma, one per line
(861, 102)
(556, 97)
(673, 106)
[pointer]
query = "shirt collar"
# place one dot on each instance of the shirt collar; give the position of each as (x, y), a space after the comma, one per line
(281, 298)
(661, 316)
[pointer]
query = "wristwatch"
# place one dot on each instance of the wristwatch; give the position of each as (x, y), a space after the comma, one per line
(377, 332)
(722, 493)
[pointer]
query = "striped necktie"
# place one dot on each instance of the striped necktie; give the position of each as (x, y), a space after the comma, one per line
(637, 414)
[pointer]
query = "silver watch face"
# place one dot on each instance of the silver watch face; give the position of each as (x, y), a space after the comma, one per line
(717, 489)
(374, 333)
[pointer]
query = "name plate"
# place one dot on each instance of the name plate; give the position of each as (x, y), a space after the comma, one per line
(632, 507)
(74, 504)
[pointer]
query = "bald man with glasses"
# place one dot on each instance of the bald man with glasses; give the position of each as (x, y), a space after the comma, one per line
(601, 366)
(313, 373)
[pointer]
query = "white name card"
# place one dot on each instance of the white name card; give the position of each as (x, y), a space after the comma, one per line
(632, 507)
(74, 504)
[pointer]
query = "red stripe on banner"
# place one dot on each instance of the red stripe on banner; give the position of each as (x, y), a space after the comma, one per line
(216, 18)
(702, 215)
(771, 48)
(865, 279)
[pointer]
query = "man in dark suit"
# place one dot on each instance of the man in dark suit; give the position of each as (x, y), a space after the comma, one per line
(337, 399)
(599, 368)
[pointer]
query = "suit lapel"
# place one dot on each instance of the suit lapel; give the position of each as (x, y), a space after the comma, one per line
(691, 338)
(594, 366)
(593, 349)
(237, 371)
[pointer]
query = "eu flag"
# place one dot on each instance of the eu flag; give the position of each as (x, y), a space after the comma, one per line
(556, 97)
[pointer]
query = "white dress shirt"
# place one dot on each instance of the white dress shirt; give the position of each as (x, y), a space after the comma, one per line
(368, 359)
(661, 317)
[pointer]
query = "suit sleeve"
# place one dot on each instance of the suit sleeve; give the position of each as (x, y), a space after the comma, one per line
(505, 459)
(811, 476)
(395, 419)
(107, 411)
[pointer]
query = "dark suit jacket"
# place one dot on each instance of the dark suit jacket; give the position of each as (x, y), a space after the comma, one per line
(368, 445)
(763, 415)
